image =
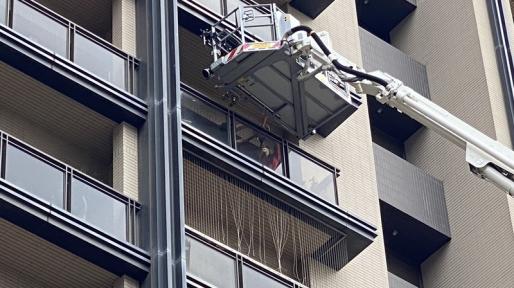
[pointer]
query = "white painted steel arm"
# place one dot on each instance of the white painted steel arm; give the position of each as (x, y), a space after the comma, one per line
(487, 158)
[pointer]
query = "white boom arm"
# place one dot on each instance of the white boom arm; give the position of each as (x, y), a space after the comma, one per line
(486, 157)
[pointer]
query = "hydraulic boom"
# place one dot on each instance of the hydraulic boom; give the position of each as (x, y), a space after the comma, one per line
(487, 158)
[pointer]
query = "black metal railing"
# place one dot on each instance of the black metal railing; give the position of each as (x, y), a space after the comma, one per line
(259, 145)
(212, 264)
(66, 188)
(65, 39)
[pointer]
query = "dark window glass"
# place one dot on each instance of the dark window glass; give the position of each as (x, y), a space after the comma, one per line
(312, 176)
(259, 147)
(210, 265)
(40, 28)
(3, 11)
(34, 175)
(99, 60)
(99, 209)
(214, 5)
(204, 117)
(255, 279)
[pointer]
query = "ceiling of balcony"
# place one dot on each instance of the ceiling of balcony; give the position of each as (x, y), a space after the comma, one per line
(39, 115)
(94, 15)
(30, 261)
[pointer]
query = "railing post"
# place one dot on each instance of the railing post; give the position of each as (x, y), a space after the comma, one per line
(10, 13)
(3, 144)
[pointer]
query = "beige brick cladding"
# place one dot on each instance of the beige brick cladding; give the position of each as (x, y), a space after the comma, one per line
(125, 282)
(446, 36)
(124, 25)
(124, 160)
(349, 148)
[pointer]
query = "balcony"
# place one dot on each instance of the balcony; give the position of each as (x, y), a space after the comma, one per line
(258, 147)
(380, 17)
(212, 264)
(68, 208)
(70, 59)
(224, 153)
(413, 207)
(379, 55)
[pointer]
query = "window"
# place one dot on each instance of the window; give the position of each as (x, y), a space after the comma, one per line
(204, 117)
(259, 146)
(255, 279)
(34, 175)
(210, 265)
(312, 176)
(41, 28)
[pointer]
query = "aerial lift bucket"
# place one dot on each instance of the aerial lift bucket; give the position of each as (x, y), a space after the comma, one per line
(290, 78)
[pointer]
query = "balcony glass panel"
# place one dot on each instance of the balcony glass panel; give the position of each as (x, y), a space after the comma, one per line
(312, 176)
(259, 146)
(40, 28)
(99, 60)
(255, 279)
(34, 175)
(210, 265)
(214, 5)
(205, 117)
(3, 11)
(97, 208)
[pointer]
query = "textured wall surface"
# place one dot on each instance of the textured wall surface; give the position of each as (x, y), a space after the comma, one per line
(411, 190)
(28, 261)
(349, 148)
(397, 282)
(125, 160)
(444, 35)
(380, 55)
(124, 25)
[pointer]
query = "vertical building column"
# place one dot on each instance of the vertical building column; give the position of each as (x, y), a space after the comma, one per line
(124, 25)
(124, 160)
(125, 282)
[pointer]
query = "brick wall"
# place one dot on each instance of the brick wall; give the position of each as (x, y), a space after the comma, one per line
(446, 36)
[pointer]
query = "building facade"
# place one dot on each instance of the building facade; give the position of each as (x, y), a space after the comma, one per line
(122, 166)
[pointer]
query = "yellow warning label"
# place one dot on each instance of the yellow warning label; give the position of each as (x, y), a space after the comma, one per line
(261, 45)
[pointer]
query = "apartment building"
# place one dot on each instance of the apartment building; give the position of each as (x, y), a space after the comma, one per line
(122, 166)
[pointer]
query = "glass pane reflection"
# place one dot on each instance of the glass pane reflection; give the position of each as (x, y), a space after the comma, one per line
(40, 28)
(210, 265)
(259, 147)
(311, 176)
(254, 279)
(34, 175)
(3, 11)
(204, 117)
(98, 209)
(99, 60)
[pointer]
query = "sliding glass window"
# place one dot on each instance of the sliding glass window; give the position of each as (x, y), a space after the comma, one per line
(205, 117)
(209, 265)
(259, 146)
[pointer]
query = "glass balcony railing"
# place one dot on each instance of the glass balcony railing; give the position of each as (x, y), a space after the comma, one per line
(63, 38)
(259, 145)
(3, 11)
(211, 264)
(66, 188)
